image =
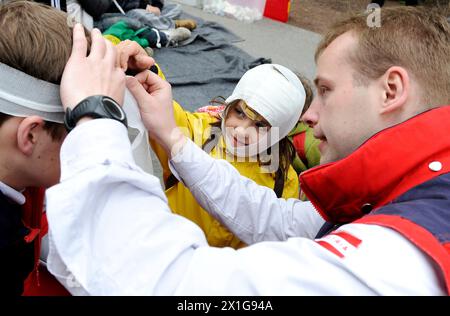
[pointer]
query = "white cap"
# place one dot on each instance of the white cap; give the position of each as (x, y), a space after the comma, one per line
(274, 92)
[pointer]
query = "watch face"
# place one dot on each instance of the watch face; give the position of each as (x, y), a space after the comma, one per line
(114, 109)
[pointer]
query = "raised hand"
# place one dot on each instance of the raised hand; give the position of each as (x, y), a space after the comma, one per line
(96, 74)
(154, 97)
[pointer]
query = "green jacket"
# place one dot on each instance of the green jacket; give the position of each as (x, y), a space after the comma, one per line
(306, 147)
(122, 31)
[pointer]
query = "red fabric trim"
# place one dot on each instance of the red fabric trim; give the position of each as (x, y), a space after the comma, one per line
(34, 232)
(447, 246)
(44, 225)
(42, 283)
(419, 236)
(32, 213)
(339, 190)
(33, 207)
(352, 240)
(329, 247)
(299, 143)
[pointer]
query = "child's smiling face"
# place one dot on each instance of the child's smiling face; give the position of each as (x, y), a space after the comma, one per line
(244, 126)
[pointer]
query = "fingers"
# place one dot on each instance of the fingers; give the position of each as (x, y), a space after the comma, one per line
(149, 77)
(125, 51)
(130, 49)
(142, 76)
(153, 81)
(98, 47)
(136, 89)
(110, 54)
(79, 47)
(123, 61)
(144, 61)
(131, 54)
(146, 83)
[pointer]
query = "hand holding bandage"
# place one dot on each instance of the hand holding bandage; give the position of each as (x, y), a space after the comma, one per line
(154, 97)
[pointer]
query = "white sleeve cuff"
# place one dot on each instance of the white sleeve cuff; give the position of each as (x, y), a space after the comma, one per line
(191, 164)
(100, 141)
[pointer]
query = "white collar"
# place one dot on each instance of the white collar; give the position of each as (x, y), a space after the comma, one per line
(14, 195)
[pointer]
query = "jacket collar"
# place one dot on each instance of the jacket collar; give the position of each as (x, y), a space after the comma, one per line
(387, 165)
(12, 194)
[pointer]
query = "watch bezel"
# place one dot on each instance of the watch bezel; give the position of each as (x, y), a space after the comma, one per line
(97, 106)
(116, 111)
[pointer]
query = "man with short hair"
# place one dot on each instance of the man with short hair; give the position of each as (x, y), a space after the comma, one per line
(31, 129)
(35, 44)
(381, 113)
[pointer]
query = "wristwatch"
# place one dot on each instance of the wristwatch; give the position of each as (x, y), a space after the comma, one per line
(97, 106)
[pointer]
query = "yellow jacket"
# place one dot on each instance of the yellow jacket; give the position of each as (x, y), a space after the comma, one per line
(196, 126)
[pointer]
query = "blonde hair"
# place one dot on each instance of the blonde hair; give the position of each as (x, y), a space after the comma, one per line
(414, 38)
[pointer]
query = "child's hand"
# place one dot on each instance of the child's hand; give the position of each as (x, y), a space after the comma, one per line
(154, 10)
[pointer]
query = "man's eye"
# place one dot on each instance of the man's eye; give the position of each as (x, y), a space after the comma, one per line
(323, 90)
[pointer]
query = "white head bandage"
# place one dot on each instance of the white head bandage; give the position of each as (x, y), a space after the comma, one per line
(23, 95)
(277, 94)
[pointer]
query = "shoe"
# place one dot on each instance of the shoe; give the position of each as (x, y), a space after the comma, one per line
(177, 35)
(189, 24)
(149, 51)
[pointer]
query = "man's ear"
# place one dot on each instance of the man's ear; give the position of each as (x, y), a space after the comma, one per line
(395, 84)
(28, 133)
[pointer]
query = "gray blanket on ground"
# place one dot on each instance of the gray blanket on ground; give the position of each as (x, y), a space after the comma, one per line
(205, 66)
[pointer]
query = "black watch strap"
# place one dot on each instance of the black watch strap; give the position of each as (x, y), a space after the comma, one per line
(97, 106)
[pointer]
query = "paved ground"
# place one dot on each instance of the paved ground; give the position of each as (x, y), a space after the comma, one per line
(288, 45)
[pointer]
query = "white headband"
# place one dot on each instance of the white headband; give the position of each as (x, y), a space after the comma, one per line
(23, 95)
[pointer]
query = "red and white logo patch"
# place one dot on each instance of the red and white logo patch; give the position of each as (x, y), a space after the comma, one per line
(340, 243)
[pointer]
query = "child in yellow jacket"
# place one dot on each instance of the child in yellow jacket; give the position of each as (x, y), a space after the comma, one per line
(251, 134)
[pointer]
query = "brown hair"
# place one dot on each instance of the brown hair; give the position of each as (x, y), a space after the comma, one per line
(55, 130)
(37, 40)
(415, 38)
(3, 118)
(308, 92)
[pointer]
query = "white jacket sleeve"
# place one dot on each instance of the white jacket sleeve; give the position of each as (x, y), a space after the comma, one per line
(251, 211)
(112, 233)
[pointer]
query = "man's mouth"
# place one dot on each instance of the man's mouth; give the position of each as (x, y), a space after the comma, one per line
(323, 142)
(322, 145)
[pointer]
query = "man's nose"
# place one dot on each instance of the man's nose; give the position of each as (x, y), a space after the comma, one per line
(311, 116)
